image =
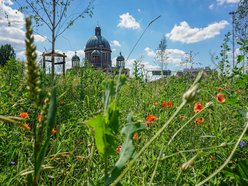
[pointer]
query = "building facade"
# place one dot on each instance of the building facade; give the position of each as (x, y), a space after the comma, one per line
(98, 51)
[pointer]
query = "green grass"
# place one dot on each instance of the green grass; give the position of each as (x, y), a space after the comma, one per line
(72, 157)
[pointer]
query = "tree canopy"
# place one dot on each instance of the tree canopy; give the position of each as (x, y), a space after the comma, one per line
(6, 53)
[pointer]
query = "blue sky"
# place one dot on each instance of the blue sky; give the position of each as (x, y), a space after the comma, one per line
(189, 25)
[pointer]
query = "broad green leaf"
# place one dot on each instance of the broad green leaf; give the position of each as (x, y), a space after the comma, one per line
(112, 118)
(127, 149)
(99, 127)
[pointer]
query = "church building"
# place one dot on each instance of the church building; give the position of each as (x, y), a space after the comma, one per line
(98, 51)
(98, 54)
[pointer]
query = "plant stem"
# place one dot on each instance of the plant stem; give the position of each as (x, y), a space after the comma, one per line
(105, 168)
(230, 156)
(172, 138)
(148, 143)
(193, 150)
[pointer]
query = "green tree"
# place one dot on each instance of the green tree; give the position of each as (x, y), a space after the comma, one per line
(6, 53)
(138, 70)
(224, 63)
(54, 15)
(241, 20)
(161, 55)
(241, 26)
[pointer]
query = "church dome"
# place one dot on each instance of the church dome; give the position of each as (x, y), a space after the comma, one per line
(97, 41)
(98, 51)
(120, 58)
(75, 58)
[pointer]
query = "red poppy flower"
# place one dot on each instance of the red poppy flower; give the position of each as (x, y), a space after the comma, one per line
(169, 103)
(151, 118)
(54, 131)
(118, 149)
(219, 88)
(238, 91)
(136, 136)
(198, 107)
(164, 104)
(39, 116)
(220, 98)
(199, 120)
(24, 115)
(25, 126)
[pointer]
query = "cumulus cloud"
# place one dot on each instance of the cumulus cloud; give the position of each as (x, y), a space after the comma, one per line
(147, 65)
(227, 1)
(12, 26)
(174, 56)
(150, 52)
(115, 43)
(186, 34)
(128, 21)
(221, 2)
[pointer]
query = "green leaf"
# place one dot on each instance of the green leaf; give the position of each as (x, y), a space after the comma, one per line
(112, 117)
(127, 148)
(99, 127)
(51, 113)
(240, 58)
(50, 124)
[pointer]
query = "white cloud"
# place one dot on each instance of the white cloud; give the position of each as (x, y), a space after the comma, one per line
(174, 56)
(128, 21)
(12, 26)
(211, 6)
(227, 1)
(39, 38)
(150, 52)
(115, 43)
(139, 10)
(221, 2)
(186, 34)
(147, 65)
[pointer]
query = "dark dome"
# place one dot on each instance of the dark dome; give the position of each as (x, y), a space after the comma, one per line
(120, 58)
(97, 42)
(75, 58)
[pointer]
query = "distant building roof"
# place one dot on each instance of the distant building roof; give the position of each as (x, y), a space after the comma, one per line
(97, 41)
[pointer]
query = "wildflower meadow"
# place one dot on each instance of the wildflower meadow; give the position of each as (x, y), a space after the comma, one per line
(92, 128)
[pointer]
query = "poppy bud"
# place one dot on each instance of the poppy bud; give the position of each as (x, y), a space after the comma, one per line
(187, 165)
(190, 94)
